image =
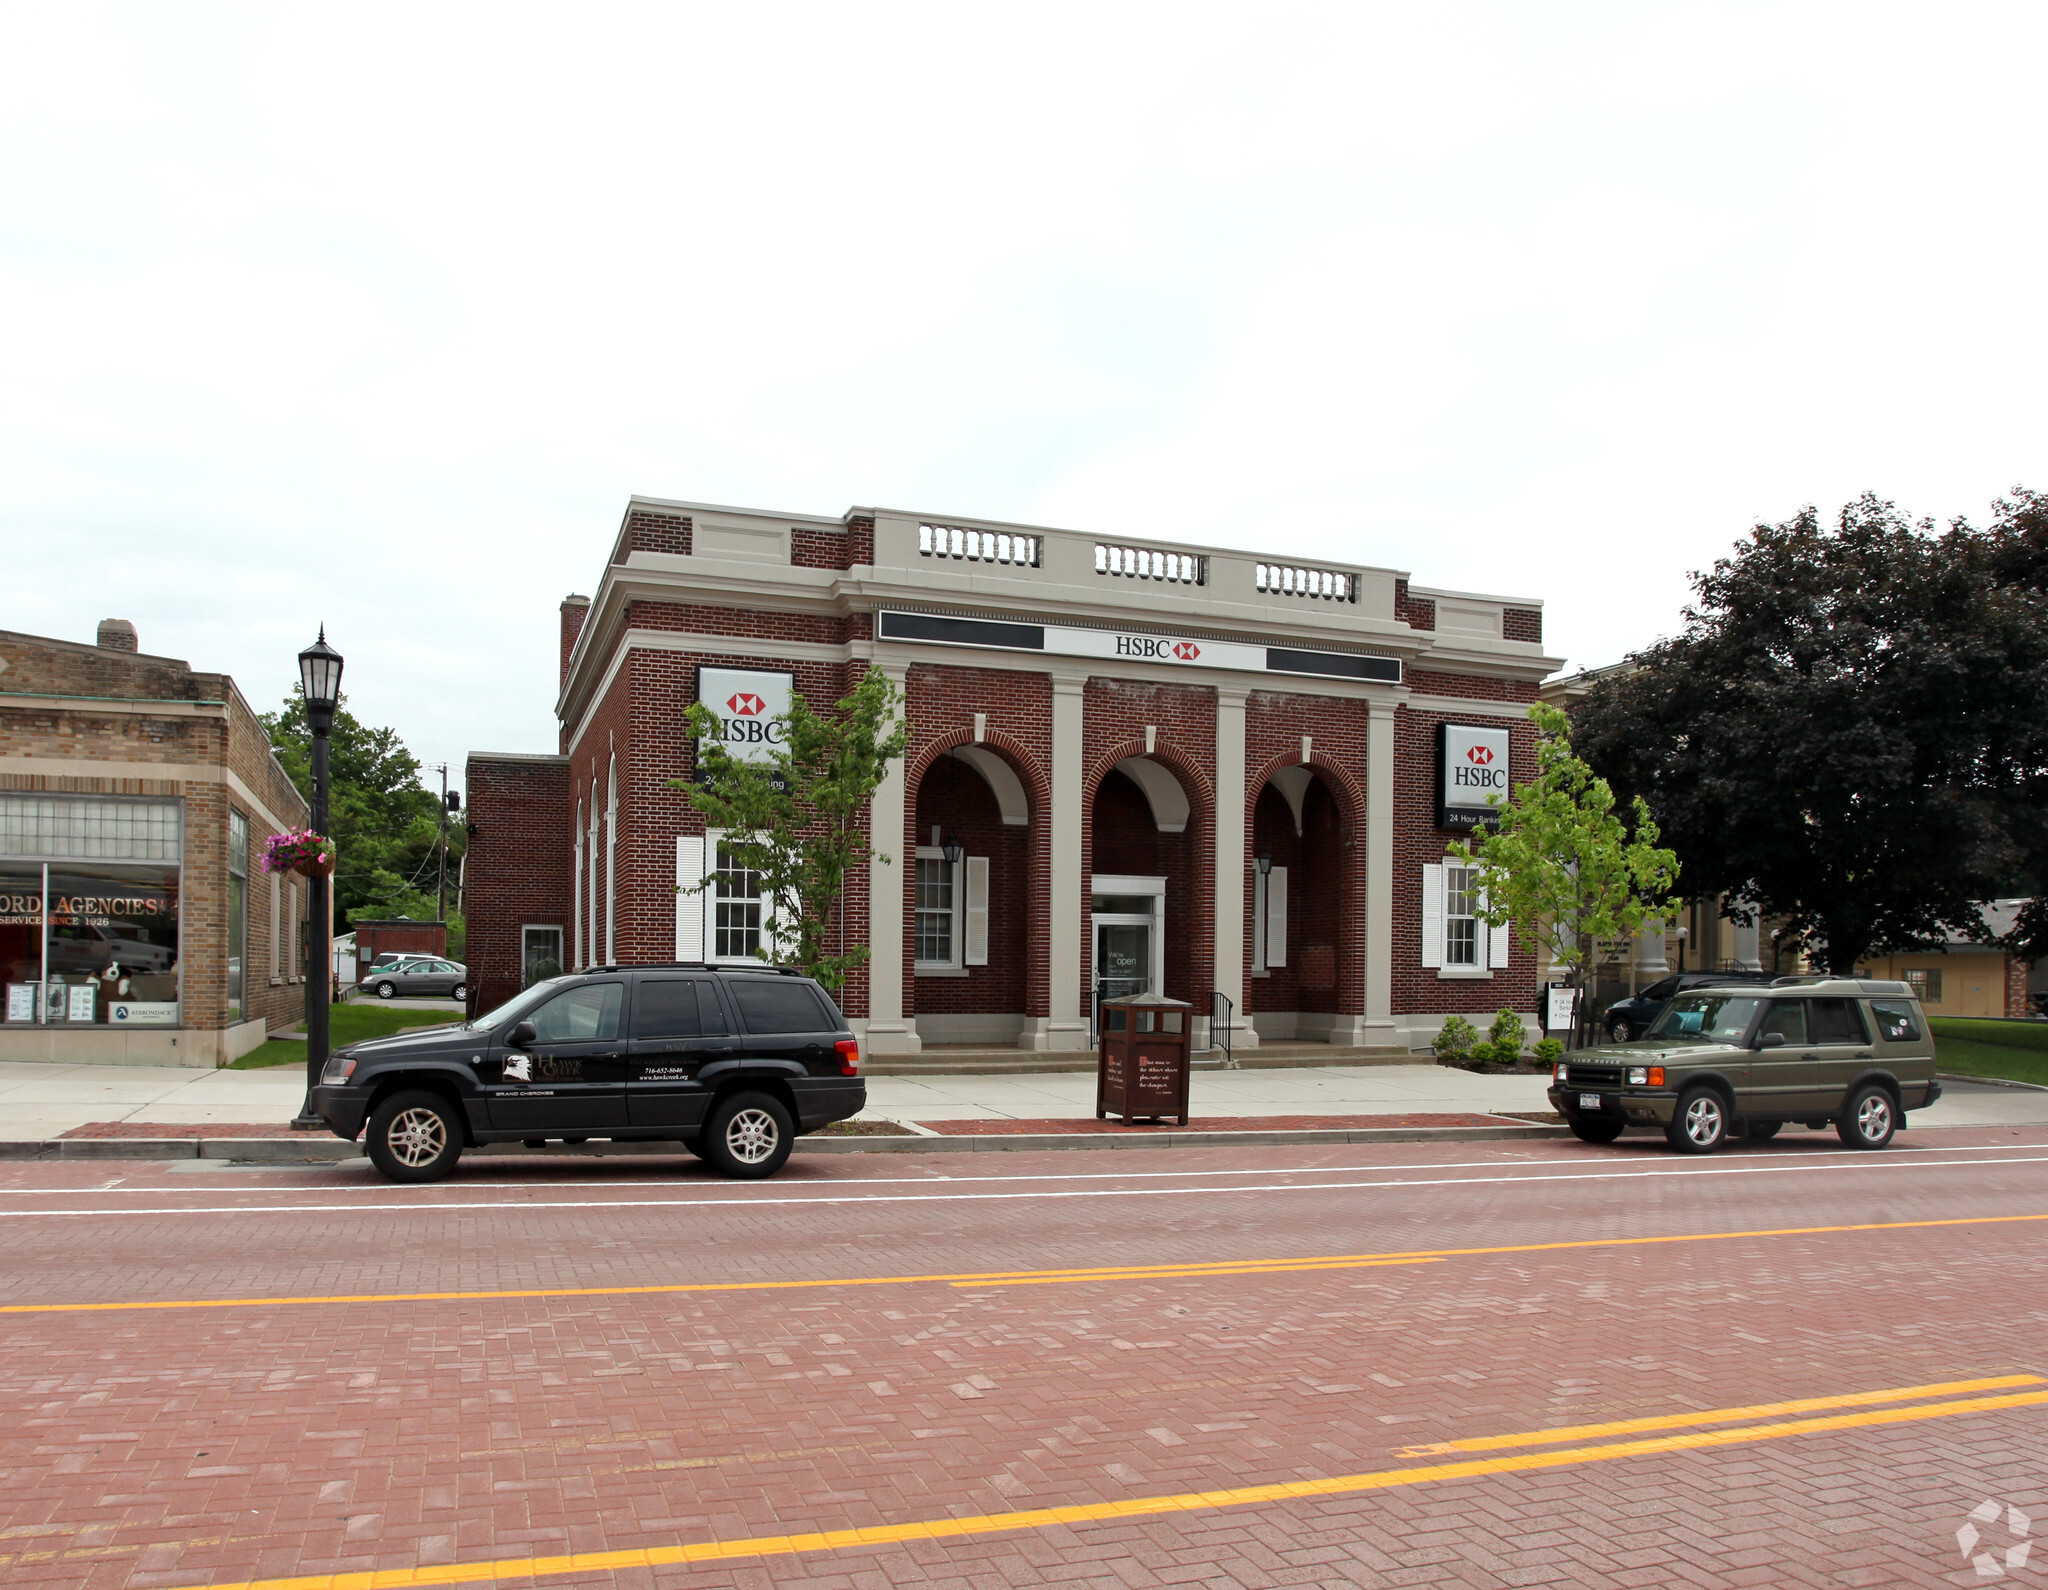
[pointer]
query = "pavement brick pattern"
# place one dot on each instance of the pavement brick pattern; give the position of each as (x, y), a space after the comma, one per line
(174, 1447)
(1211, 1123)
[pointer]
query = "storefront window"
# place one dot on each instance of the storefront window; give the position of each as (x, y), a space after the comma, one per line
(238, 909)
(89, 904)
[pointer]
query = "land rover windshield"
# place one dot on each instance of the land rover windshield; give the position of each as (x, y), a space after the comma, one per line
(1707, 1018)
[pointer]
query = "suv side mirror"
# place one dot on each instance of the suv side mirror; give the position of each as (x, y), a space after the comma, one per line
(522, 1034)
(1764, 1040)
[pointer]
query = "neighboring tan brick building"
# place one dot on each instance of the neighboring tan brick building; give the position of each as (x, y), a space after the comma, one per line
(1131, 764)
(135, 923)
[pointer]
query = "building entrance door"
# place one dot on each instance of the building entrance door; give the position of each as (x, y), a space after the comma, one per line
(1127, 956)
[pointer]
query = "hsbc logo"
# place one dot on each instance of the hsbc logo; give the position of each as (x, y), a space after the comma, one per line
(1155, 649)
(1186, 650)
(1474, 771)
(750, 704)
(745, 706)
(1482, 754)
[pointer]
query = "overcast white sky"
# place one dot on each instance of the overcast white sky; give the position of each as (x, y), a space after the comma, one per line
(376, 315)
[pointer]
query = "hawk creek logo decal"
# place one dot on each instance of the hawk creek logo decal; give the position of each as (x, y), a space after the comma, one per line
(745, 705)
(1482, 754)
(1186, 650)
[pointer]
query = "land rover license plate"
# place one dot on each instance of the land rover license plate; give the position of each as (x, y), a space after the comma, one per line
(1589, 1101)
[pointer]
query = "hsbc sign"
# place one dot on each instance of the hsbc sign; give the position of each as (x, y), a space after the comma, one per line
(749, 704)
(1472, 773)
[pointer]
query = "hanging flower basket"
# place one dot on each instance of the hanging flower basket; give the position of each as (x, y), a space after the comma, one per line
(308, 854)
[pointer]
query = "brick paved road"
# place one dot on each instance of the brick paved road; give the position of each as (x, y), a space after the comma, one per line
(150, 1446)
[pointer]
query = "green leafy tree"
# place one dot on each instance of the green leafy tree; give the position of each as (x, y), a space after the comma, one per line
(795, 818)
(1848, 734)
(385, 824)
(1560, 863)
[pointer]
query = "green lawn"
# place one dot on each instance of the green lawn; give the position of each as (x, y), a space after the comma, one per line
(350, 1023)
(2015, 1050)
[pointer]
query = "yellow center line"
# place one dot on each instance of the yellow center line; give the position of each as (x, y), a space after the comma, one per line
(1673, 1421)
(1112, 1272)
(1103, 1512)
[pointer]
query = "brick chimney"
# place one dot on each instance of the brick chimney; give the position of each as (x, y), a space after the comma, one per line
(575, 609)
(117, 634)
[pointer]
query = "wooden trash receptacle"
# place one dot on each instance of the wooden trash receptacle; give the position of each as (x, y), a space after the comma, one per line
(1141, 1058)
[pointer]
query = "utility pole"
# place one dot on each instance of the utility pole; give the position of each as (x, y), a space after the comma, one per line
(441, 909)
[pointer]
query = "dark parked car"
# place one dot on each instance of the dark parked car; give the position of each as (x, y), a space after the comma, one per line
(419, 975)
(732, 1064)
(1628, 1019)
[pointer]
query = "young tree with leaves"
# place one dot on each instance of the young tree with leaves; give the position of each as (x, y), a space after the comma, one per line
(1562, 866)
(795, 817)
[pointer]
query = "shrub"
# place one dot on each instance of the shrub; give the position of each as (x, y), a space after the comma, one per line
(1453, 1044)
(1550, 1051)
(1503, 1039)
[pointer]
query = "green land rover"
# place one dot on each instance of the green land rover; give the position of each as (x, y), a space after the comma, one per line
(1742, 1061)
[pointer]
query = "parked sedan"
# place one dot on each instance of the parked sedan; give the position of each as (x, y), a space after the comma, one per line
(420, 975)
(1628, 1019)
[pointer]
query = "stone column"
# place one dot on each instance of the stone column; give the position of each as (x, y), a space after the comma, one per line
(1230, 863)
(1650, 962)
(888, 1030)
(1379, 875)
(1067, 1025)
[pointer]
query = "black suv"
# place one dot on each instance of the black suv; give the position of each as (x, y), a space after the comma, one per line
(1628, 1019)
(731, 1063)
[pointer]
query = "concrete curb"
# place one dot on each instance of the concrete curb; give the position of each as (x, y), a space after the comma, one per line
(328, 1150)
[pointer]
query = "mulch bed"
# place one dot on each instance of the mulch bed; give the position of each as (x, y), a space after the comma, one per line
(863, 1129)
(180, 1129)
(1206, 1123)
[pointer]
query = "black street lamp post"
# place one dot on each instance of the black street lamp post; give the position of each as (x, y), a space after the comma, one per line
(320, 677)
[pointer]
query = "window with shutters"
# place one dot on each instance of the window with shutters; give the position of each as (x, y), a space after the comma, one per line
(1461, 920)
(736, 910)
(937, 932)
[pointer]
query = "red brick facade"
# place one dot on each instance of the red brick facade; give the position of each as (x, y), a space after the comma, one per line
(518, 862)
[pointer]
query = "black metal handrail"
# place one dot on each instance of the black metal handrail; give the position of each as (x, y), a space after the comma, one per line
(1220, 1011)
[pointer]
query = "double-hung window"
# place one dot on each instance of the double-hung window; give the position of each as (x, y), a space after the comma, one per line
(937, 933)
(1461, 921)
(736, 909)
(1456, 940)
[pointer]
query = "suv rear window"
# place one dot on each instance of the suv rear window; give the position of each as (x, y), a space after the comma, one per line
(1836, 1021)
(667, 1008)
(779, 1006)
(1895, 1023)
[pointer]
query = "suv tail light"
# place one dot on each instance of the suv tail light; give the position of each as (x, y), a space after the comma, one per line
(849, 1056)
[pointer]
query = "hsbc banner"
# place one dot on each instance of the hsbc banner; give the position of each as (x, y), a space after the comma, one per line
(1472, 764)
(749, 704)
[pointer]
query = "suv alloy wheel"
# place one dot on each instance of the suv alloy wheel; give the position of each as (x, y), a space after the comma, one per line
(1700, 1123)
(1869, 1119)
(1621, 1030)
(748, 1135)
(414, 1136)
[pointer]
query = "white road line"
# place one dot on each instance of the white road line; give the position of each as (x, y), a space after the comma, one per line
(962, 1197)
(360, 1168)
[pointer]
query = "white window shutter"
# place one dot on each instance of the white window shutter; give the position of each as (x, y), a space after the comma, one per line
(689, 907)
(1433, 914)
(1496, 940)
(1276, 917)
(977, 911)
(1258, 921)
(707, 897)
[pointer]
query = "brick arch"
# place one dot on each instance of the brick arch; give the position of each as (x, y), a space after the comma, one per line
(1038, 790)
(1350, 947)
(1200, 837)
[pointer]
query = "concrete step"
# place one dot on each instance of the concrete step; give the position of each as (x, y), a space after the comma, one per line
(971, 1060)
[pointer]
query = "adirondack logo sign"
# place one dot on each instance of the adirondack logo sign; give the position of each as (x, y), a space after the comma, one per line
(1472, 764)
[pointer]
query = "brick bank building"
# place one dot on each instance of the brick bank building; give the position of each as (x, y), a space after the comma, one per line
(1132, 765)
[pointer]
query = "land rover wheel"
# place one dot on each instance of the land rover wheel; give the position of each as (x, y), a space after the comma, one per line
(1700, 1123)
(748, 1135)
(1589, 1131)
(415, 1136)
(1869, 1118)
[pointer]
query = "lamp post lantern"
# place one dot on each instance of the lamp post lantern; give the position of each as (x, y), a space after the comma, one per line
(320, 679)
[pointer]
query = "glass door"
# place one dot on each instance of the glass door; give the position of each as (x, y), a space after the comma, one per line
(1123, 957)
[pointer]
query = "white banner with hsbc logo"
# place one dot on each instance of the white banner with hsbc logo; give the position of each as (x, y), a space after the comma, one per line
(748, 703)
(1472, 765)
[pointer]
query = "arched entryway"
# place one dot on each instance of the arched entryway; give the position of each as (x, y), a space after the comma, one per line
(978, 971)
(1305, 974)
(1145, 856)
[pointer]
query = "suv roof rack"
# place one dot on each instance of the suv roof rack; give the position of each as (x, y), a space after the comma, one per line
(1838, 984)
(689, 966)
